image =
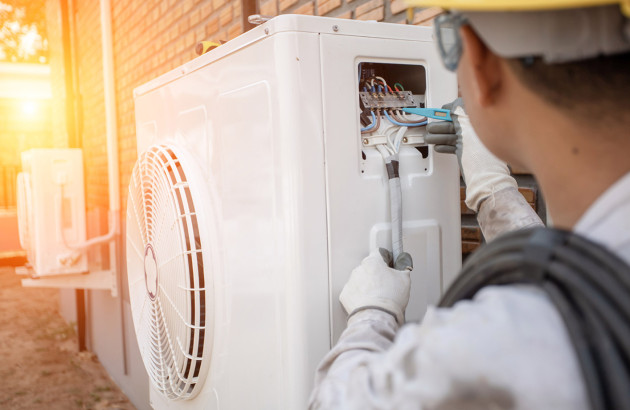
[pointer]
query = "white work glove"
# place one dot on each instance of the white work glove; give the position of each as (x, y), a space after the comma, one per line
(484, 173)
(376, 285)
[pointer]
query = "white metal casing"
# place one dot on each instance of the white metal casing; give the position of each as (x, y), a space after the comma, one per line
(52, 204)
(271, 121)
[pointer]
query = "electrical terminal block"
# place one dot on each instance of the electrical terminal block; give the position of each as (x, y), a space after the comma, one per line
(397, 99)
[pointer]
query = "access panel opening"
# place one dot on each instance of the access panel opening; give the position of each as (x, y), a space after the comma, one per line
(385, 90)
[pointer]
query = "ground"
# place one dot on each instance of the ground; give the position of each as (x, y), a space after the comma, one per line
(40, 364)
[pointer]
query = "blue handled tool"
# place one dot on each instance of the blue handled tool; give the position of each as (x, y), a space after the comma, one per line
(437, 113)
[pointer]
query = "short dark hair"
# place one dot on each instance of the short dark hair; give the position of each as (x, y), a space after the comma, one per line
(597, 88)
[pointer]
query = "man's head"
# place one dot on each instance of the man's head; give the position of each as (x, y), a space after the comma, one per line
(547, 61)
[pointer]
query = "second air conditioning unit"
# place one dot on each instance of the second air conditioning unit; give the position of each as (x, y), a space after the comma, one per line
(51, 211)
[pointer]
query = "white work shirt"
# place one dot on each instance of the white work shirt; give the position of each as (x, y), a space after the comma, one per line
(507, 348)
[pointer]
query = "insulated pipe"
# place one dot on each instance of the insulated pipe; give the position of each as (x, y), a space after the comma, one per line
(111, 132)
(72, 127)
(113, 179)
(110, 111)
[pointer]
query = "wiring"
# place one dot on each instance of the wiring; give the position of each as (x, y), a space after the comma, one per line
(406, 117)
(371, 126)
(376, 123)
(398, 116)
(383, 98)
(381, 79)
(387, 87)
(393, 121)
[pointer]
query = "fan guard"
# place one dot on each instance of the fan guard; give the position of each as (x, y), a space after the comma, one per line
(168, 290)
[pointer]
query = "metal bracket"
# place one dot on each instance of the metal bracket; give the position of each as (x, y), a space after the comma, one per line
(257, 19)
(399, 99)
(102, 280)
(373, 140)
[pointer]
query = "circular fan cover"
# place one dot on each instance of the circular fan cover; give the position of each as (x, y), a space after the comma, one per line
(168, 290)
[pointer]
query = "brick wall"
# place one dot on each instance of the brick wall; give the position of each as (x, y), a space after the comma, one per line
(91, 128)
(153, 36)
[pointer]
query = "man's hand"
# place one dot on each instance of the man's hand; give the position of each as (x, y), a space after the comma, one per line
(376, 285)
(483, 172)
(446, 135)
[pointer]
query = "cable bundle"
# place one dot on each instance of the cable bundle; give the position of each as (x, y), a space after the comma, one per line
(588, 285)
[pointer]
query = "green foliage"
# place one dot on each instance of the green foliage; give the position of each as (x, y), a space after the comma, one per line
(23, 31)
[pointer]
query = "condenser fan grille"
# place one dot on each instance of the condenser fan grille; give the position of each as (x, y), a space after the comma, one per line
(166, 272)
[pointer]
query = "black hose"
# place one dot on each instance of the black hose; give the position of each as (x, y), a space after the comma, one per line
(578, 335)
(588, 285)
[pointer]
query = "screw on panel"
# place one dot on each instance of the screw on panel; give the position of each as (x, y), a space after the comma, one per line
(366, 141)
(405, 140)
(335, 28)
(267, 31)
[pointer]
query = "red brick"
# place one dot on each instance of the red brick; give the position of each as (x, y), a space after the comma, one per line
(212, 27)
(186, 6)
(225, 17)
(236, 7)
(285, 4)
(326, 6)
(206, 9)
(216, 4)
(366, 7)
(398, 6)
(200, 33)
(190, 40)
(426, 16)
(471, 233)
(345, 15)
(306, 8)
(529, 194)
(376, 14)
(269, 8)
(234, 31)
(469, 247)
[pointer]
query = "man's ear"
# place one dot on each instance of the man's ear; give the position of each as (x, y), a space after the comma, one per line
(485, 66)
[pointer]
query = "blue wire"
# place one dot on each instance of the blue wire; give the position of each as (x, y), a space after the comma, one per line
(380, 88)
(369, 127)
(373, 89)
(393, 121)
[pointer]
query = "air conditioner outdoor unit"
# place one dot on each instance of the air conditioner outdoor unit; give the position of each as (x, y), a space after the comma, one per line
(255, 194)
(51, 211)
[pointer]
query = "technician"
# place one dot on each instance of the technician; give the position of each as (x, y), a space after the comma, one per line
(547, 87)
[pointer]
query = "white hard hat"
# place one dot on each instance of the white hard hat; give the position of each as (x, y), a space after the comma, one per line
(556, 30)
(555, 35)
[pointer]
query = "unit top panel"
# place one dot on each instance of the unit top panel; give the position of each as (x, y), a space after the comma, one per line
(293, 23)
